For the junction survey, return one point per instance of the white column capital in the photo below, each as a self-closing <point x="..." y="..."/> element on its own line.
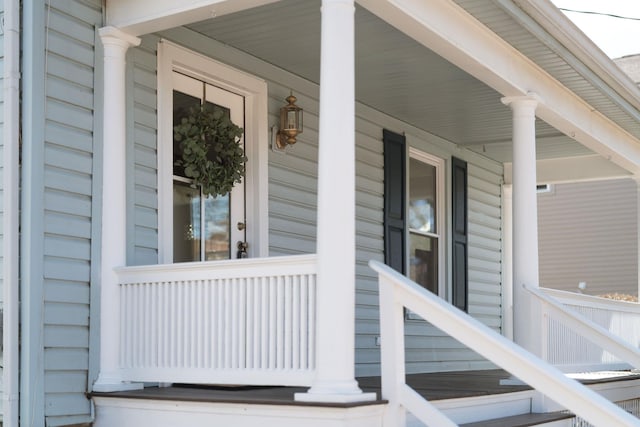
<point x="112" y="36"/>
<point x="338" y="3"/>
<point x="530" y="100"/>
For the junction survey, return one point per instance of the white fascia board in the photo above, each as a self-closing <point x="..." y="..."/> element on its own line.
<point x="568" y="35"/>
<point x="451" y="32"/>
<point x="148" y="16"/>
<point x="572" y="169"/>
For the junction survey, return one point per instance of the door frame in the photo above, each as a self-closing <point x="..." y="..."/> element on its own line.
<point x="172" y="57"/>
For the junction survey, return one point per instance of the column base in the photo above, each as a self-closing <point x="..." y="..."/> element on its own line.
<point x="347" y="392"/>
<point x="108" y="385"/>
<point x="512" y="381"/>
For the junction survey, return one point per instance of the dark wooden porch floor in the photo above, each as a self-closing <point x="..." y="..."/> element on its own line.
<point x="432" y="386"/>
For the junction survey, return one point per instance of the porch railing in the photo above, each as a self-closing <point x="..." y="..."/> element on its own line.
<point x="250" y="321"/>
<point x="594" y="334"/>
<point x="397" y="292"/>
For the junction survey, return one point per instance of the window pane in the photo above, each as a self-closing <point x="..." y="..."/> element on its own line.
<point x="217" y="228"/>
<point x="422" y="197"/>
<point x="182" y="104"/>
<point x="423" y="262"/>
<point x="186" y="222"/>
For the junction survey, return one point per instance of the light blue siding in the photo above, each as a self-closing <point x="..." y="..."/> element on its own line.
<point x="292" y="202"/>
<point x="143" y="213"/>
<point x="59" y="231"/>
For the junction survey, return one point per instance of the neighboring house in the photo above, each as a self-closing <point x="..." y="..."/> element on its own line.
<point x="630" y="64"/>
<point x="588" y="234"/>
<point x="423" y="124"/>
<point x="588" y="230"/>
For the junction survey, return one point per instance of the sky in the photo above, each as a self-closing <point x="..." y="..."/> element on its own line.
<point x="615" y="36"/>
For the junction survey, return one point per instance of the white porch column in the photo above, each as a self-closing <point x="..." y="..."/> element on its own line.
<point x="335" y="380"/>
<point x="115" y="44"/>
<point x="527" y="320"/>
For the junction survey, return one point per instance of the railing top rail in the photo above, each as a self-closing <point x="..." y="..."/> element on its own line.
<point x="498" y="349"/>
<point x="589" y="329"/>
<point x="593" y="301"/>
<point x="226" y="269"/>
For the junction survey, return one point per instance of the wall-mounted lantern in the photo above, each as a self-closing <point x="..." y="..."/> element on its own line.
<point x="290" y="123"/>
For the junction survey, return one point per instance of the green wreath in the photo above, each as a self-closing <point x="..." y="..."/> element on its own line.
<point x="211" y="155"/>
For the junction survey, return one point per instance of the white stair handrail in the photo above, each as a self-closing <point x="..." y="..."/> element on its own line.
<point x="396" y="291"/>
<point x="588" y="329"/>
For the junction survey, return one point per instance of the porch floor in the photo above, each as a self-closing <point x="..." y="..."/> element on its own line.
<point x="432" y="386"/>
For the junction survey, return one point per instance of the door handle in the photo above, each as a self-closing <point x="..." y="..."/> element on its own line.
<point x="242" y="249"/>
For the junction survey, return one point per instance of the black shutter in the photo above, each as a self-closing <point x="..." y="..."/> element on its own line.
<point x="459" y="221"/>
<point x="394" y="200"/>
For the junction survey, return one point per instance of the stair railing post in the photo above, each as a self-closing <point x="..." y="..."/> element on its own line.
<point x="391" y="353"/>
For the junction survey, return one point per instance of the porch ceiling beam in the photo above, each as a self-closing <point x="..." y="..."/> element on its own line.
<point x="148" y="16"/>
<point x="451" y="32"/>
<point x="573" y="169"/>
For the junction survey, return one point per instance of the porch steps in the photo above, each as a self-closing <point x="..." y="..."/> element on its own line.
<point x="275" y="406"/>
<point x="474" y="409"/>
<point x="548" y="419"/>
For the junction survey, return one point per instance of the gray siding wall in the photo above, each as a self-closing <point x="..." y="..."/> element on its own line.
<point x="485" y="243"/>
<point x="428" y="348"/>
<point x="588" y="233"/>
<point x="58" y="189"/>
<point x="292" y="202"/>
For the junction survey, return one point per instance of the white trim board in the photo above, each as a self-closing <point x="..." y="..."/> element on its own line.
<point x="148" y="16"/>
<point x="572" y="169"/>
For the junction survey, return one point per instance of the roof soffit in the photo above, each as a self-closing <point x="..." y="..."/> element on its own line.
<point x="542" y="33"/>
<point x="443" y="107"/>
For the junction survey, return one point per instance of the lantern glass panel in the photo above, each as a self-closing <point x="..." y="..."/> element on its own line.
<point x="292" y="119"/>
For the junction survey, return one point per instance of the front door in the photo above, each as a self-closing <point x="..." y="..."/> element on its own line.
<point x="205" y="228"/>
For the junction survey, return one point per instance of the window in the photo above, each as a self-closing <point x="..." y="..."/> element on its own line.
<point x="415" y="219"/>
<point x="544" y="188"/>
<point x="425" y="222"/>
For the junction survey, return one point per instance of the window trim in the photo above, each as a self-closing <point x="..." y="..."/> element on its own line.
<point x="441" y="212"/>
<point x="172" y="57"/>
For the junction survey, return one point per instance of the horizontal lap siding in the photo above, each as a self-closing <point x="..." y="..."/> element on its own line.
<point x="68" y="180"/>
<point x="485" y="245"/>
<point x="293" y="180"/>
<point x="293" y="201"/>
<point x="428" y="348"/>
<point x="369" y="241"/>
<point x="144" y="215"/>
<point x="588" y="233"/>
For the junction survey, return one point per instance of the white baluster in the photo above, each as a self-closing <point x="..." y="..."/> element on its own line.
<point x="304" y="322"/>
<point x="288" y="322"/>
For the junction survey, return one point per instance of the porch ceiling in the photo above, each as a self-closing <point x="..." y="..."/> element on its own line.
<point x="402" y="78"/>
